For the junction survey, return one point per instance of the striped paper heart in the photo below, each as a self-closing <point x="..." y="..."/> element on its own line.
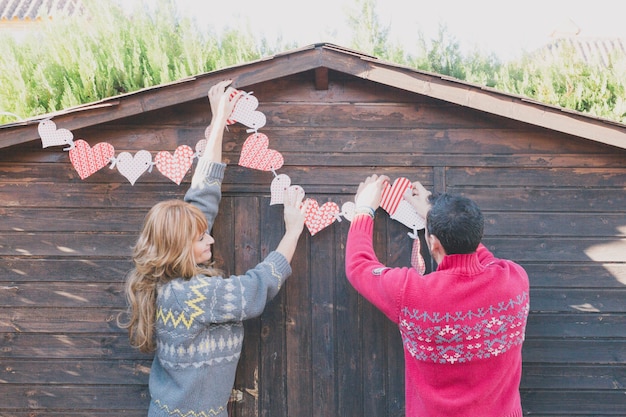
<point x="393" y="194"/>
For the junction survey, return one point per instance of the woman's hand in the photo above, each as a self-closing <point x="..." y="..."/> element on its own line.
<point x="222" y="105"/>
<point x="294" y="214"/>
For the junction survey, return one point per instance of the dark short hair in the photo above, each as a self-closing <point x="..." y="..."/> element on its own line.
<point x="456" y="221"/>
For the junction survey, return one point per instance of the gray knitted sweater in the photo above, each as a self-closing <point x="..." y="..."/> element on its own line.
<point x="199" y="322"/>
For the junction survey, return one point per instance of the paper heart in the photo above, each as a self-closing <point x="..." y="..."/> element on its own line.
<point x="280" y="184"/>
<point x="417" y="260"/>
<point x="317" y="218"/>
<point x="393" y="194"/>
<point x="256" y="155"/>
<point x="347" y="210"/>
<point x="87" y="160"/>
<point x="133" y="166"/>
<point x="51" y="136"/>
<point x="175" y="166"/>
<point x="406" y="214"/>
<point x="245" y="112"/>
<point x="200" y="147"/>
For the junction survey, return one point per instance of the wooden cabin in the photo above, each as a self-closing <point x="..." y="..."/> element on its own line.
<point x="551" y="183"/>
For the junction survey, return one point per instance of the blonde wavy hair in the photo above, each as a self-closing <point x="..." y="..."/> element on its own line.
<point x="163" y="252"/>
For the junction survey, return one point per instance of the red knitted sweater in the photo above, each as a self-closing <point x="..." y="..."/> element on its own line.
<point x="462" y="326"/>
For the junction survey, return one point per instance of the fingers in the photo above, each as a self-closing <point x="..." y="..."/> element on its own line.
<point x="218" y="89"/>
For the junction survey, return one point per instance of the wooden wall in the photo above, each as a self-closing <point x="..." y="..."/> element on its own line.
<point x="553" y="203"/>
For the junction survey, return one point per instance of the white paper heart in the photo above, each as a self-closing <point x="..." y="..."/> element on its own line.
<point x="279" y="185"/>
<point x="347" y="210"/>
<point x="132" y="167"/>
<point x="245" y="112"/>
<point x="406" y="214"/>
<point x="51" y="136"/>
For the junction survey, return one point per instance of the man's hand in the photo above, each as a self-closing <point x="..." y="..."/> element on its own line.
<point x="370" y="192"/>
<point x="418" y="198"/>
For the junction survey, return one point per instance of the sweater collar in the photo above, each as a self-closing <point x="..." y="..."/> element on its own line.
<point x="466" y="264"/>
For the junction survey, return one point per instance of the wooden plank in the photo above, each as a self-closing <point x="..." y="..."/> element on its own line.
<point x="68" y="346"/>
<point x="576" y="274"/>
<point x="348" y="324"/>
<point x="541" y="200"/>
<point x="579" y="177"/>
<point x="575" y="351"/>
<point x="578" y="300"/>
<point x="572" y="377"/>
<point x="248" y="255"/>
<point x="72" y="413"/>
<point x="69" y="295"/>
<point x="30" y="219"/>
<point x="298" y="334"/>
<point x="53" y="319"/>
<point x="75" y="397"/>
<point x="566" y="325"/>
<point x="322" y="320"/>
<point x="31" y="371"/>
<point x="273" y="367"/>
<point x="68" y="245"/>
<point x="84" y="270"/>
<point x="539" y="249"/>
<point x="608" y="225"/>
<point x="573" y="402"/>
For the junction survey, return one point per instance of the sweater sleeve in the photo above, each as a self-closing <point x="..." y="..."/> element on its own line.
<point x="206" y="189"/>
<point x="380" y="285"/>
<point x="207" y="300"/>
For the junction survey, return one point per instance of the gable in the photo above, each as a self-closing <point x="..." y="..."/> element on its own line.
<point x="320" y="59"/>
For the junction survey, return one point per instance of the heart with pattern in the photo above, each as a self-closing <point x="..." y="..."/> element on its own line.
<point x="393" y="194"/>
<point x="87" y="160"/>
<point x="132" y="167"/>
<point x="280" y="184"/>
<point x="51" y="136"/>
<point x="246" y="113"/>
<point x="317" y="218"/>
<point x="175" y="166"/>
<point x="256" y="155"/>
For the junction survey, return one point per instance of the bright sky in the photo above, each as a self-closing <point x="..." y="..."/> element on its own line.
<point x="501" y="26"/>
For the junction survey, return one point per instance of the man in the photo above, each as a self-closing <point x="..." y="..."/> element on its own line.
<point x="463" y="325"/>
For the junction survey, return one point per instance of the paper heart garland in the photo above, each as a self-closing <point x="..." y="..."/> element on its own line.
<point x="317" y="218"/>
<point x="245" y="112"/>
<point x="393" y="194"/>
<point x="347" y="210"/>
<point x="280" y="184"/>
<point x="87" y="160"/>
<point x="256" y="155"/>
<point x="405" y="213"/>
<point x="51" y="136"/>
<point x="175" y="166"/>
<point x="132" y="167"/>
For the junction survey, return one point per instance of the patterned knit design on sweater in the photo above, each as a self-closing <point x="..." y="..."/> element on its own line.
<point x="464" y="336"/>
